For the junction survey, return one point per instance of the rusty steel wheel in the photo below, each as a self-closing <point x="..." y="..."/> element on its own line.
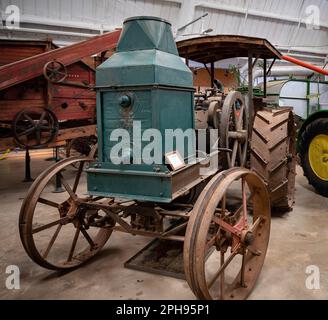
<point x="273" y="155"/>
<point x="55" y="71"/>
<point x="227" y="236"/>
<point x="35" y="127"/>
<point x="234" y="130"/>
<point x="61" y="232"/>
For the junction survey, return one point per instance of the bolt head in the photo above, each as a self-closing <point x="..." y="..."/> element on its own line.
<point x="249" y="238"/>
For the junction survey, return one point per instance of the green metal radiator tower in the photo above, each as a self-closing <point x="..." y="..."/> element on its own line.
<point x="144" y="85"/>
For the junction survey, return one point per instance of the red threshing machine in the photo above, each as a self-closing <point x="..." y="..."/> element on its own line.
<point x="46" y="93"/>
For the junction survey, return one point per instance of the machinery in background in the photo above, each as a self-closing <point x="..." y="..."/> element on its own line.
<point x="221" y="213"/>
<point x="270" y="147"/>
<point x="310" y="105"/>
<point x="46" y="92"/>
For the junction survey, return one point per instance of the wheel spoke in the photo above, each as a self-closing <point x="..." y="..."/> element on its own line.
<point x="234" y="114"/>
<point x="240" y="154"/>
<point x="224" y="203"/>
<point x="88" y="238"/>
<point x="29" y="119"/>
<point x="223" y="267"/>
<point x="67" y="187"/>
<point x="244" y="198"/>
<point x="49" y="225"/>
<point x="234" y="153"/>
<point x="242" y="271"/>
<point x="26" y="132"/>
<point x="211" y="242"/>
<point x="78" y="176"/>
<point x="48" y="202"/>
<point x="239" y="210"/>
<point x="223" y="224"/>
<point x="42" y="116"/>
<point x="222" y="276"/>
<point x="256" y="224"/>
<point x="57" y="68"/>
<point x="46" y="128"/>
<point x="76" y="236"/>
<point x="241" y="117"/>
<point x="52" y="241"/>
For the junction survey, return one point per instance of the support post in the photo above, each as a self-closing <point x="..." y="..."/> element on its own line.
<point x="250" y="90"/>
<point x="187" y="62"/>
<point x="212" y="74"/>
<point x="265" y="77"/>
<point x="58" y="184"/>
<point x="28" y="177"/>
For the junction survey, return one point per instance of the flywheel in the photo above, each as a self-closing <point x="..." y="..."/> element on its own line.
<point x="234" y="125"/>
<point x="273" y="154"/>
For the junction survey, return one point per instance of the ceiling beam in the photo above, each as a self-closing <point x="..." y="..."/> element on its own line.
<point x="255" y="13"/>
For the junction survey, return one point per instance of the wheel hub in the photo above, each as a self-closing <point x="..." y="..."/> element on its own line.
<point x="247" y="238"/>
<point x="318" y="156"/>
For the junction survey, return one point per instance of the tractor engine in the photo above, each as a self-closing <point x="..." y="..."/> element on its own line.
<point x="144" y="85"/>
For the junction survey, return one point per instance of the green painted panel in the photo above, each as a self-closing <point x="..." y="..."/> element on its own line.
<point x="142" y="33"/>
<point x="143" y="68"/>
<point x="144" y="187"/>
<point x="116" y="117"/>
<point x="157" y="108"/>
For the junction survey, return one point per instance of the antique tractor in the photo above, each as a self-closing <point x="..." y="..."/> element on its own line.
<point x="220" y="212"/>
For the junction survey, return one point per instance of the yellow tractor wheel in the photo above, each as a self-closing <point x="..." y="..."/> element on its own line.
<point x="314" y="154"/>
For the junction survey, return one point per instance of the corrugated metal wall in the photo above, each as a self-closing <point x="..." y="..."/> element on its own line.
<point x="280" y="21"/>
<point x="276" y="20"/>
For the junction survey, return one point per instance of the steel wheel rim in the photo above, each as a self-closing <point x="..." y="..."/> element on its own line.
<point x="55" y="71"/>
<point x="26" y="224"/>
<point x="194" y="253"/>
<point x="35" y="127"/>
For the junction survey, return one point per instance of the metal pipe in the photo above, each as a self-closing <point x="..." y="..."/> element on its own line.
<point x="54" y="32"/>
<point x="95" y="25"/>
<point x="283" y="71"/>
<point x="305" y="65"/>
<point x="193" y="21"/>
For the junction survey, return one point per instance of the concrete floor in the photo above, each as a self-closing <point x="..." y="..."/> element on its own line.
<point x="298" y="239"/>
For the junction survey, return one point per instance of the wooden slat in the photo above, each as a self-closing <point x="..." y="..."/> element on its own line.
<point x="63" y="135"/>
